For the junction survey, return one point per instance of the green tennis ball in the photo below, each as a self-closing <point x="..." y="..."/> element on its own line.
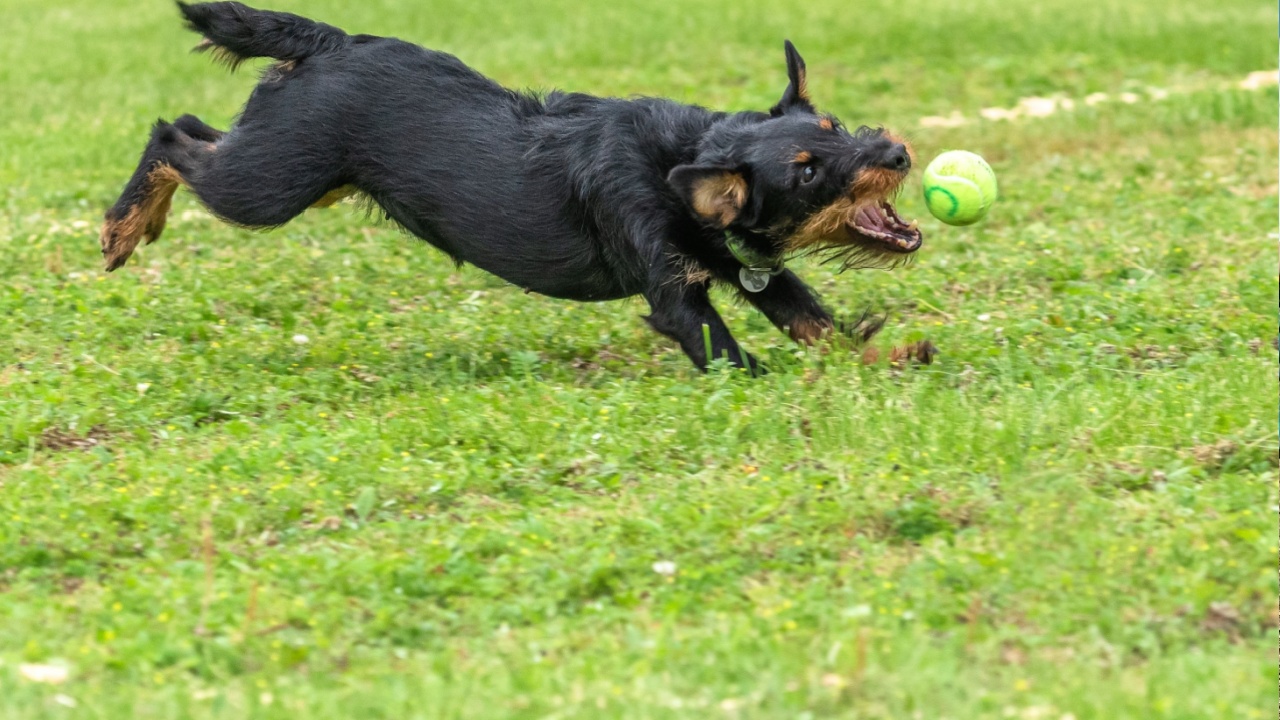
<point x="959" y="187"/>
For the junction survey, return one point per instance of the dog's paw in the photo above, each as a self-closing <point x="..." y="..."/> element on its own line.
<point x="922" y="353"/>
<point x="117" y="239"/>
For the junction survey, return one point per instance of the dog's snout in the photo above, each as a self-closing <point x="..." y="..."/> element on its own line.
<point x="897" y="158"/>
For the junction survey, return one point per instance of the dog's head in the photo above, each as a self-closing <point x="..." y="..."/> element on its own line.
<point x="801" y="180"/>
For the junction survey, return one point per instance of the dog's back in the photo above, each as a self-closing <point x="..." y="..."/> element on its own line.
<point x="497" y="178"/>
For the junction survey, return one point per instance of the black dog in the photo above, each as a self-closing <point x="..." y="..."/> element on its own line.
<point x="565" y="194"/>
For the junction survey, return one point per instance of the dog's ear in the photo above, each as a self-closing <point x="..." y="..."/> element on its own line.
<point x="715" y="194"/>
<point x="796" y="96"/>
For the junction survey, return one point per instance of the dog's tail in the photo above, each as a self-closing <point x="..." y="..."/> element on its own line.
<point x="236" y="32"/>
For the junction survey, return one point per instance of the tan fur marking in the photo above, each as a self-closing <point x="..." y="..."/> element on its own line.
<point x="809" y="330"/>
<point x="802" y="157"/>
<point x="165" y="180"/>
<point x="922" y="352"/>
<point x="335" y="195"/>
<point x="826" y="124"/>
<point x="803" y="90"/>
<point x="166" y="175"/>
<point x="120" y="237"/>
<point x="876" y="183"/>
<point x="689" y="272"/>
<point x="695" y="275"/>
<point x="825" y="227"/>
<point x="145" y="220"/>
<point x="720" y="197"/>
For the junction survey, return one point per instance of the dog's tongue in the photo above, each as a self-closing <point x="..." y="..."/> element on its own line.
<point x="871" y="218"/>
<point x="882" y="223"/>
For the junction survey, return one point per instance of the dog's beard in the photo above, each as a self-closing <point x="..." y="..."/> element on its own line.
<point x="861" y="255"/>
<point x="857" y="234"/>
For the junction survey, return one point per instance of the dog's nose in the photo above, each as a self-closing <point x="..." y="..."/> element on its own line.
<point x="898" y="158"/>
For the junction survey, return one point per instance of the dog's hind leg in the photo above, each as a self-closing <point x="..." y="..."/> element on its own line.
<point x="169" y="158"/>
<point x="264" y="174"/>
<point x="259" y="175"/>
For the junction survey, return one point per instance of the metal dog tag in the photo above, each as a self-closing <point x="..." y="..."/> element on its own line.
<point x="753" y="280"/>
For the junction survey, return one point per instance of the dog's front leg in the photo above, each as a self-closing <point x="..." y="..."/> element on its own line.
<point x="683" y="312"/>
<point x="793" y="307"/>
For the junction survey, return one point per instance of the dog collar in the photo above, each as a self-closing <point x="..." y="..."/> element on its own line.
<point x="756" y="268"/>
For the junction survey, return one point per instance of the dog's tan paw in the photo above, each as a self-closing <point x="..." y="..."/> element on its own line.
<point x="922" y="353"/>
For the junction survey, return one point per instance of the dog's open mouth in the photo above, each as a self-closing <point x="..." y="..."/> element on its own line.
<point x="881" y="224"/>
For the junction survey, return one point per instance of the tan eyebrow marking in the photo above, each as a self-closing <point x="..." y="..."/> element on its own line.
<point x="802" y="157"/>
<point x="826" y="124"/>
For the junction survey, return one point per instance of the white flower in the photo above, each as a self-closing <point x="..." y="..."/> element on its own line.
<point x="142" y="388"/>
<point x="301" y="339"/>
<point x="664" y="567"/>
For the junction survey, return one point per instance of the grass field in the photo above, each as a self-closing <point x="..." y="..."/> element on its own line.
<point x="457" y="500"/>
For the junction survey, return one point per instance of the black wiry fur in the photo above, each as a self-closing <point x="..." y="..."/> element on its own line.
<point x="567" y="195"/>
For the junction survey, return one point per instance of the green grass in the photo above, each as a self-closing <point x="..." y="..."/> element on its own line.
<point x="449" y="502"/>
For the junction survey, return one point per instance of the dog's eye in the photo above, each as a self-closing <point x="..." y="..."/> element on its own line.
<point x="808" y="173"/>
